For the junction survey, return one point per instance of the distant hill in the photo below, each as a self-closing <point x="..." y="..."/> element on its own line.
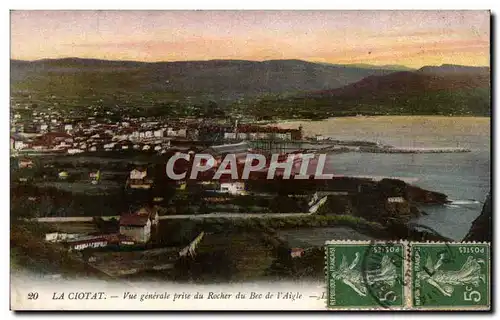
<point x="395" y="67"/>
<point x="273" y="88"/>
<point x="214" y="79"/>
<point x="447" y="69"/>
<point x="408" y="83"/>
<point x="445" y="90"/>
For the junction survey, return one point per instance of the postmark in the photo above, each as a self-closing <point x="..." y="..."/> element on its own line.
<point x="365" y="275"/>
<point x="450" y="276"/>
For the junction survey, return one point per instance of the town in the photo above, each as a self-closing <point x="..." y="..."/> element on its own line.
<point x="124" y="195"/>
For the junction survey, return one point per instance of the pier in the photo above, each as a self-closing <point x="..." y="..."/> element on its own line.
<point x="389" y="149"/>
<point x="281" y="146"/>
<point x="336" y="146"/>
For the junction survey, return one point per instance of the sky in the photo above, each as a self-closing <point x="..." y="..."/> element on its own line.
<point x="409" y="38"/>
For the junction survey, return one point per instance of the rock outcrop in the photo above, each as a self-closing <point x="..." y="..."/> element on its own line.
<point x="481" y="229"/>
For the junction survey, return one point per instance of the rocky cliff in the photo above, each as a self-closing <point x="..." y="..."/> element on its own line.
<point x="481" y="229"/>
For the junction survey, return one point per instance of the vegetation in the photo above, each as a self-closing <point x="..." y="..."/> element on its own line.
<point x="472" y="102"/>
<point x="28" y="250"/>
<point x="216" y="89"/>
<point x="180" y="231"/>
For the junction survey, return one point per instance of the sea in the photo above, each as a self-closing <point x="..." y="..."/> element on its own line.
<point x="464" y="177"/>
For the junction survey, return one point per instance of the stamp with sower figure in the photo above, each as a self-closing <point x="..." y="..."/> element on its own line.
<point x="450" y="276"/>
<point x="366" y="275"/>
<point x="408" y="276"/>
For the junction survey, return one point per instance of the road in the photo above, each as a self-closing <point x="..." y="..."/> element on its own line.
<point x="227" y="215"/>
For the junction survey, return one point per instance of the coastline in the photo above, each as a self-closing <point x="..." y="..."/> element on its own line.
<point x="402" y="131"/>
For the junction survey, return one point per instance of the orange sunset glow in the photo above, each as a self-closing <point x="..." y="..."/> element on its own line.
<point x="410" y="38"/>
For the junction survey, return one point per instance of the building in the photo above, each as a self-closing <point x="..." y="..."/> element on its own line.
<point x="138" y="179"/>
<point x="17" y="142"/>
<point x="233" y="187"/>
<point x="176" y="132"/>
<point x="319" y="137"/>
<point x="230" y="135"/>
<point x="25" y="163"/>
<point x="86" y="243"/>
<point x="137" y="226"/>
<point x="68" y="128"/>
<point x="238" y="149"/>
<point x="396" y="200"/>
<point x="253" y="132"/>
<point x="74" y="151"/>
<point x="43" y="128"/>
<point x="296" y="252"/>
<point x="159" y="133"/>
<point x="62" y="237"/>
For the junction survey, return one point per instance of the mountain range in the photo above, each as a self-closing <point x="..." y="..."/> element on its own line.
<point x="436" y="90"/>
<point x="277" y="85"/>
<point x="228" y="78"/>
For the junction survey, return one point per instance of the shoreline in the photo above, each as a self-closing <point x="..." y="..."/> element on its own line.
<point x="364" y="117"/>
<point x="401" y="131"/>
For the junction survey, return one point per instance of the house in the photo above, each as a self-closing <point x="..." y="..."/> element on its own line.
<point x="253" y="132"/>
<point x="234" y="188"/>
<point x="182" y="133"/>
<point x="243" y="135"/>
<point x="296" y="252"/>
<point x="74" y="151"/>
<point x="25" y="163"/>
<point x="171" y="132"/>
<point x="109" y="146"/>
<point x="158" y="133"/>
<point x="68" y="128"/>
<point x="138" y="179"/>
<point x="137" y="226"/>
<point x="53" y="139"/>
<point x="396" y="200"/>
<point x="62" y="145"/>
<point x="43" y="128"/>
<point x="62" y="237"/>
<point x="230" y="135"/>
<point x="138" y="174"/>
<point x="17" y="142"/>
<point x="320" y="137"/>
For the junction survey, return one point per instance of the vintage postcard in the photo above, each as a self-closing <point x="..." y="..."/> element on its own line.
<point x="250" y="160"/>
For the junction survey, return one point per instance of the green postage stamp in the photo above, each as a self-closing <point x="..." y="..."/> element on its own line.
<point x="407" y="276"/>
<point x="365" y="275"/>
<point x="450" y="276"/>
